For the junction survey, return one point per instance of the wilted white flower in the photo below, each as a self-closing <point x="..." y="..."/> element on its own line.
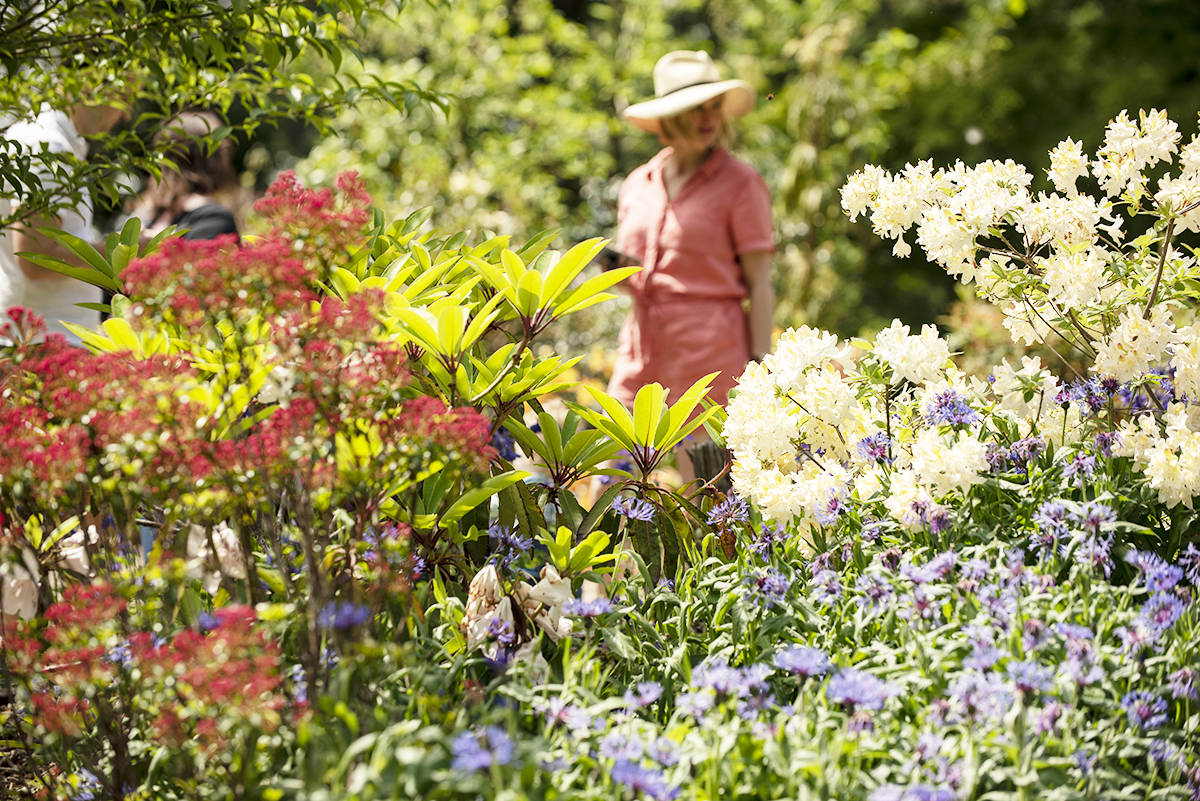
<point x="19" y="583"/>
<point x="229" y="556"/>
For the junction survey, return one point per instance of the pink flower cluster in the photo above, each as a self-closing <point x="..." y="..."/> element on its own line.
<point x="79" y="663"/>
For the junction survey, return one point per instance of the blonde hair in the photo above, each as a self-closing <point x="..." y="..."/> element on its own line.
<point x="679" y="126"/>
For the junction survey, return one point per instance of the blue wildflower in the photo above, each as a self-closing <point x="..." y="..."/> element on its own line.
<point x="645" y="694"/>
<point x="1157" y="573"/>
<point x="826" y="587"/>
<point x="507" y="545"/>
<point x="1024" y="451"/>
<point x="695" y="704"/>
<point x="505" y="445"/>
<point x="857" y="689"/>
<point x="1163" y="751"/>
<point x="733" y="509"/>
<point x="1085" y="761"/>
<point x="875" y="448"/>
<point x="343" y="615"/>
<point x="501" y="631"/>
<point x="634" y="509"/>
<point x="1189" y="560"/>
<point x="474" y="750"/>
<point x="1105" y="441"/>
<point x="664" y="752"/>
<point x="950" y="408"/>
<point x="1183" y="684"/>
<point x="577" y="607"/>
<point x="1161" y="611"/>
<point x="1093" y="516"/>
<point x="875" y="592"/>
<point x="801" y="660"/>
<point x="767" y="588"/>
<point x="615" y="745"/>
<point x="1030" y="678"/>
<point x="1083" y="466"/>
<point x="643" y="780"/>
<point x="558" y="710"/>
<point x="767" y="539"/>
<point x="1144" y="710"/>
<point x="981" y="696"/>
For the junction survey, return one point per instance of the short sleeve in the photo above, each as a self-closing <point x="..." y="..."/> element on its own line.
<point x="631" y="235"/>
<point x="750" y="218"/>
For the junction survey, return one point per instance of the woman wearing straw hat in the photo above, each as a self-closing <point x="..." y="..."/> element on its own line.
<point x="698" y="220"/>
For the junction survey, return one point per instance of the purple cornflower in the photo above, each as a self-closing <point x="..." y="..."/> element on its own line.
<point x="645" y="694"/>
<point x="643" y="780"/>
<point x="984" y="655"/>
<point x="1105" y="441"/>
<point x="1081" y="670"/>
<point x="1052" y="525"/>
<point x="634" y="509"/>
<point x="857" y="689"/>
<point x="1078" y="639"/>
<point x="1047" y="718"/>
<point x="1083" y="466"/>
<point x="875" y="448"/>
<point x="474" y="750"/>
<point x="1092" y="516"/>
<point x="1024" y="451"/>
<point x="833" y="508"/>
<point x="1089" y="393"/>
<point x="1161" y="611"/>
<point x="507" y="545"/>
<point x="766" y="539"/>
<point x="615" y="745"/>
<point x="1163" y="751"/>
<point x="976" y="569"/>
<point x="1034" y="636"/>
<point x="913" y="792"/>
<point x="981" y="696"/>
<point x="1030" y="678"/>
<point x="803" y="660"/>
<point x="664" y="752"/>
<point x="733" y="509"/>
<point x="1136" y="637"/>
<point x="871" y="532"/>
<point x="920" y="604"/>
<point x="875" y="592"/>
<point x="1183" y="684"/>
<point x="504" y="444"/>
<point x="1189" y="560"/>
<point x="998" y="458"/>
<point x="1096" y="552"/>
<point x="557" y="710"/>
<point x="1144" y="710"/>
<point x="1158" y="574"/>
<point x="767" y="588"/>
<point x="577" y="607"/>
<point x="950" y="408"/>
<point x="695" y="704"/>
<point x="343" y="615"/>
<point x="826" y="587"/>
<point x="1085" y="761"/>
<point x="501" y="631"/>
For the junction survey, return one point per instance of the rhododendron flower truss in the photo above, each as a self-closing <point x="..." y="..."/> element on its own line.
<point x="1063" y="271"/>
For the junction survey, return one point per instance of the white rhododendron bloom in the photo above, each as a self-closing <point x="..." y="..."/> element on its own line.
<point x="1136" y="345"/>
<point x="946" y="239"/>
<point x="1067" y="165"/>
<point x="948" y="467"/>
<point x="1066" y="222"/>
<point x="799" y="349"/>
<point x="1022" y="393"/>
<point x="906" y="498"/>
<point x="1073" y="280"/>
<point x="761" y="421"/>
<point x="1185" y="358"/>
<point x="918" y="358"/>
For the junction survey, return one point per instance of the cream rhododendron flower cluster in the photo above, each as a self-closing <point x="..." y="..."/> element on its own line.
<point x="1057" y="262"/>
<point x="813" y="430"/>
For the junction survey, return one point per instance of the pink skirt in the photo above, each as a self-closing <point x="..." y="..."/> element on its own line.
<point x="675" y="341"/>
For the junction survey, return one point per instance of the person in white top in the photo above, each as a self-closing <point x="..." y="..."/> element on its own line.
<point x="51" y="295"/>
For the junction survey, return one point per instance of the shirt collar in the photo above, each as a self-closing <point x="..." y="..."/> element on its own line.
<point x="715" y="161"/>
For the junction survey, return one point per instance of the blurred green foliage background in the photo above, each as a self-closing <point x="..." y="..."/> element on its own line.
<point x="530" y="139"/>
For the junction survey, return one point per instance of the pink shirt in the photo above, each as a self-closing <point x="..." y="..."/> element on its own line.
<point x="687" y="245"/>
<point x="687" y="318"/>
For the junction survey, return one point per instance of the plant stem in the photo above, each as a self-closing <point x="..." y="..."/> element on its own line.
<point x="1162" y="262"/>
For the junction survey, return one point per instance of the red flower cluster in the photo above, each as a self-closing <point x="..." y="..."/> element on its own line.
<point x="192" y="686"/>
<point x="322" y="223"/>
<point x="70" y="418"/>
<point x="462" y="430"/>
<point x="193" y="281"/>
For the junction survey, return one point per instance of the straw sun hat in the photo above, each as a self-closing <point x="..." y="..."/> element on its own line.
<point x="683" y="80"/>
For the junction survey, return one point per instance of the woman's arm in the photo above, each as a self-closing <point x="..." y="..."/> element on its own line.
<point x="756" y="271"/>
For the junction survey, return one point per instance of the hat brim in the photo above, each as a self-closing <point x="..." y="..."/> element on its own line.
<point x="647" y="115"/>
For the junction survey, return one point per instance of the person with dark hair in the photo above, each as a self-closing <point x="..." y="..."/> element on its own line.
<point x="698" y="221"/>
<point x="186" y="196"/>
